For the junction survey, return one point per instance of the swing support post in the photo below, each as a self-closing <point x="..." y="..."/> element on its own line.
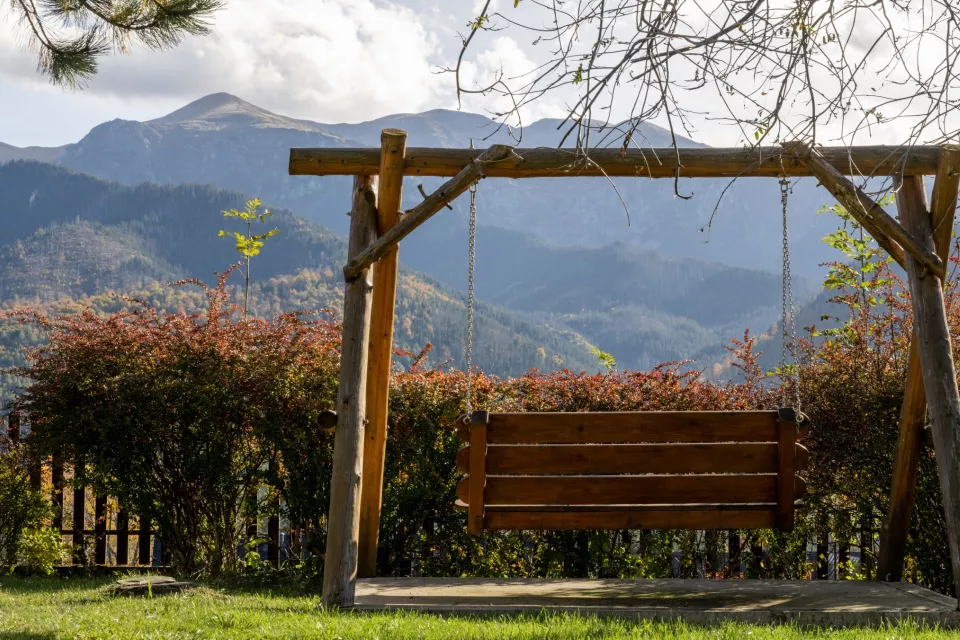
<point x="343" y="522"/>
<point x="393" y="144"/>
<point x="936" y="360"/>
<point x="913" y="415"/>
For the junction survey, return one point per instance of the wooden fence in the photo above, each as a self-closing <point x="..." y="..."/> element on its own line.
<point x="112" y="531"/>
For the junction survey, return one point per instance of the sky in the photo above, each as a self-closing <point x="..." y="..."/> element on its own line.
<point x="323" y="60"/>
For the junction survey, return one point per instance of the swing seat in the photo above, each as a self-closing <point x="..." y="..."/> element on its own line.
<point x="631" y="470"/>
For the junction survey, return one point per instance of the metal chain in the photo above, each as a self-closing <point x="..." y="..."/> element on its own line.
<point x="472" y="253"/>
<point x="789" y="323"/>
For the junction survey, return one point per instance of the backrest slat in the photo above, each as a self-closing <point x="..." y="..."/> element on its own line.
<point x="634" y="490"/>
<point x="608" y="459"/>
<point x="635" y="427"/>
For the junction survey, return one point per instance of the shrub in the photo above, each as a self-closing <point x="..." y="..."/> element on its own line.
<point x="176" y="415"/>
<point x="41" y="550"/>
<point x="21" y="508"/>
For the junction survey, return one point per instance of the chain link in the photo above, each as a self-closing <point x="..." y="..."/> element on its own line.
<point x="788" y="329"/>
<point x="472" y="253"/>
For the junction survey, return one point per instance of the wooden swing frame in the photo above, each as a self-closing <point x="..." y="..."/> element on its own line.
<point x="919" y="242"/>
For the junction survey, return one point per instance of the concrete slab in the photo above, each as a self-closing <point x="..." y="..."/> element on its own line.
<point x="824" y="603"/>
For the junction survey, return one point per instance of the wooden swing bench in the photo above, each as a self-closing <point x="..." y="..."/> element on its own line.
<point x="631" y="470"/>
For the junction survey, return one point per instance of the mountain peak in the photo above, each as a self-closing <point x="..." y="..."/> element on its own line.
<point x="225" y="110"/>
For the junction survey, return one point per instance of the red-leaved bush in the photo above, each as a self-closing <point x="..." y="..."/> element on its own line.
<point x="182" y="417"/>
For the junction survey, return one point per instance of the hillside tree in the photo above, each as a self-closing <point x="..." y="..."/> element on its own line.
<point x="70" y="36"/>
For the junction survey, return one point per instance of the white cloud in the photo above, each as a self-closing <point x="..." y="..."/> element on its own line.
<point x="323" y="59"/>
<point x="502" y="58"/>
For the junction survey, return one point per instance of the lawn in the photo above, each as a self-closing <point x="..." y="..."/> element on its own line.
<point x="78" y="608"/>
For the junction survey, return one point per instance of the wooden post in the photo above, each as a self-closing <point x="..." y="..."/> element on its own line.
<point x="343" y="523"/>
<point x="896" y="526"/>
<point x="100" y="530"/>
<point x="79" y="522"/>
<point x="57" y="482"/>
<point x="144" y="548"/>
<point x="393" y="145"/>
<point x="273" y="539"/>
<point x="123" y="537"/>
<point x="786" y="464"/>
<point x="478" y="471"/>
<point x="936" y="360"/>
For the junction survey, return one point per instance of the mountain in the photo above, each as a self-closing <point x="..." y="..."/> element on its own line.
<point x="72" y="239"/>
<point x="226" y="142"/>
<point x="43" y="154"/>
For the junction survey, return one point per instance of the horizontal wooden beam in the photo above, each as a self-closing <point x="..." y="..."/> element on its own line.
<point x="612" y="162"/>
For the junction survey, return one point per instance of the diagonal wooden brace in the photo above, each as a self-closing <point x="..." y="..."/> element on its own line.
<point x="415" y="217"/>
<point x="888" y="233"/>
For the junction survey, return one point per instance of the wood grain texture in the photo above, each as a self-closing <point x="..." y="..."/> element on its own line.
<point x="913" y="414"/>
<point x="631" y="520"/>
<point x="611" y="162"/>
<point x="340" y="563"/>
<point x="433" y="203"/>
<point x="392" y="148"/>
<point x="477" y="481"/>
<point x="622" y="490"/>
<point x="632" y="427"/>
<point x="787" y="454"/>
<point x="607" y="459"/>
<point x="936" y="362"/>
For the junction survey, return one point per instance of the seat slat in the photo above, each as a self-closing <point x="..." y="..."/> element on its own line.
<point x="566" y="459"/>
<point x="623" y="519"/>
<point x="631" y="427"/>
<point x="653" y="489"/>
<point x="590" y="508"/>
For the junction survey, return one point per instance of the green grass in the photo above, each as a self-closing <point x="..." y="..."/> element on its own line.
<point x="78" y="608"/>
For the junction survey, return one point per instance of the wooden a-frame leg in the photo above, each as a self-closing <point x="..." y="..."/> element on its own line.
<point x="393" y="144"/>
<point x="343" y="523"/>
<point x="936" y="361"/>
<point x="896" y="527"/>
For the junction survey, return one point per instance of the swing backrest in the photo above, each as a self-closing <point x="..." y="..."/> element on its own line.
<point x="631" y="470"/>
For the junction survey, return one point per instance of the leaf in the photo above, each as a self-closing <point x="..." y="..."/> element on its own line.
<point x="578" y="75"/>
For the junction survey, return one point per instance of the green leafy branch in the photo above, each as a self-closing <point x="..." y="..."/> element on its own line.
<point x="249" y="244"/>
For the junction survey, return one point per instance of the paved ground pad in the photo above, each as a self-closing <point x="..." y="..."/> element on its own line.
<point x="827" y="603"/>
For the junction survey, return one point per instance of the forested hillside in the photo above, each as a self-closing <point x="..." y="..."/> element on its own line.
<point x="71" y="239"/>
<point x="546" y="306"/>
<point x="224" y="141"/>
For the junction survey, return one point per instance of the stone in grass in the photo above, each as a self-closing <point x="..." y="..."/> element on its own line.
<point x="149" y="585"/>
